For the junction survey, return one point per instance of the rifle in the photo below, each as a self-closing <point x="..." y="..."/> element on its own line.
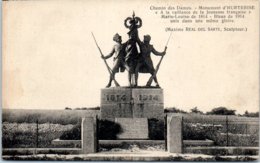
<point x="108" y="68"/>
<point x="149" y="82"/>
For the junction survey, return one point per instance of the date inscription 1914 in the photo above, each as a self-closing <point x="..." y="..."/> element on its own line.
<point x="123" y="97"/>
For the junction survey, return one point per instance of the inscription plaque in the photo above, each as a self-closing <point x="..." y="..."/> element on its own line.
<point x="131" y="103"/>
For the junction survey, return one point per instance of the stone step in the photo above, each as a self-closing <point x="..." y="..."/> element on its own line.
<point x="216" y="150"/>
<point x="117" y="143"/>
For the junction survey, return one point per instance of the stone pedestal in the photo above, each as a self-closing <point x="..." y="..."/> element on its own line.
<point x="122" y="102"/>
<point x="174" y="134"/>
<point x="131" y="108"/>
<point x="133" y="128"/>
<point x="88" y="135"/>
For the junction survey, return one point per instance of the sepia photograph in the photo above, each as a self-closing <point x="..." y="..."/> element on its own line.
<point x="130" y="80"/>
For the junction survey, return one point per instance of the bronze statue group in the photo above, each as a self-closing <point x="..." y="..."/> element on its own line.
<point x="127" y="57"/>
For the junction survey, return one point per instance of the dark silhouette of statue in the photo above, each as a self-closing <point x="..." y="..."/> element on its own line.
<point x="131" y="56"/>
<point x="145" y="63"/>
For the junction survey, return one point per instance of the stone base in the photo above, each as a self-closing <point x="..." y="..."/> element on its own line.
<point x="122" y="102"/>
<point x="133" y="128"/>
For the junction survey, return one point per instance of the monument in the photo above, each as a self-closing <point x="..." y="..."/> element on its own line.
<point x="131" y="106"/>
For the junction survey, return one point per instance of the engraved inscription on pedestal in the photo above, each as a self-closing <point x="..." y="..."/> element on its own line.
<point x="131" y="103"/>
<point x="148" y="102"/>
<point x="116" y="102"/>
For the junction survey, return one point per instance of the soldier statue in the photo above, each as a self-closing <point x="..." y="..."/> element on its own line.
<point x="145" y="64"/>
<point x="126" y="55"/>
<point x="118" y="52"/>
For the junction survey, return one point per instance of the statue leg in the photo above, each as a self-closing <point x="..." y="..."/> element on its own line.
<point x="133" y="74"/>
<point x="155" y="80"/>
<point x="155" y="77"/>
<point x="127" y="67"/>
<point x="136" y="73"/>
<point x="136" y="79"/>
<point x="112" y="76"/>
<point x="129" y="79"/>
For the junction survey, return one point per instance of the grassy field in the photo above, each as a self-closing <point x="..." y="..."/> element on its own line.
<point x="223" y="130"/>
<point x="19" y="126"/>
<point x="63" y="117"/>
<point x="25" y="135"/>
<point x="198" y="118"/>
<point x="73" y="116"/>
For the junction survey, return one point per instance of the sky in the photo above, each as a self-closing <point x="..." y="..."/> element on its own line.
<point x="50" y="60"/>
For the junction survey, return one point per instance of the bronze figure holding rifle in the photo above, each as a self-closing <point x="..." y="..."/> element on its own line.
<point x="118" y="52"/>
<point x="112" y="76"/>
<point x="145" y="63"/>
<point x="149" y="82"/>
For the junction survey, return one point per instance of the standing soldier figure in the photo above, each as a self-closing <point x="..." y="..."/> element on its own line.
<point x="145" y="64"/>
<point x="118" y="50"/>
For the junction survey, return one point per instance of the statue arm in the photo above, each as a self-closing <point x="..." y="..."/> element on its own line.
<point x="110" y="54"/>
<point x="124" y="44"/>
<point x="156" y="52"/>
